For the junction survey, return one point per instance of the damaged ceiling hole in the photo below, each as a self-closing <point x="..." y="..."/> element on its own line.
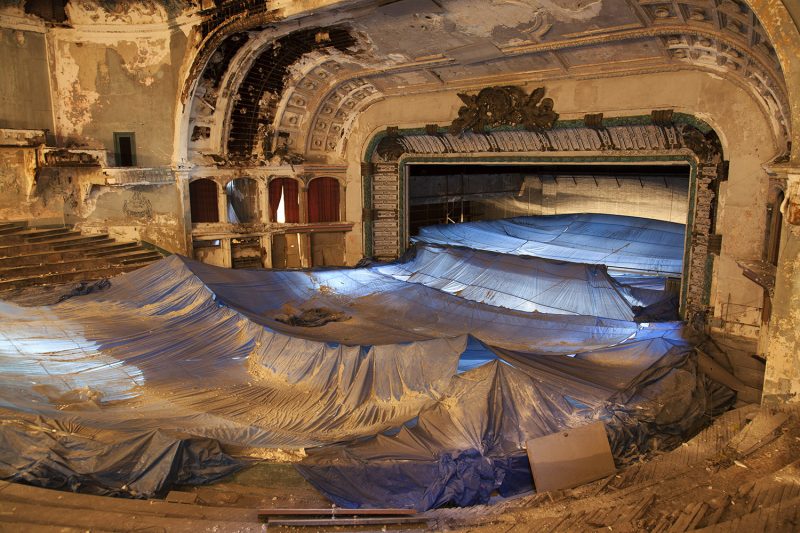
<point x="49" y="10"/>
<point x="258" y="95"/>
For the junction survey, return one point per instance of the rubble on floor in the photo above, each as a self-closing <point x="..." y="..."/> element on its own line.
<point x="703" y="485"/>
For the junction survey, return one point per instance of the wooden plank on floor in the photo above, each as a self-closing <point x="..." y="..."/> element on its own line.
<point x="352" y="521"/>
<point x="784" y="516"/>
<point x="16" y="492"/>
<point x="708" y="442"/>
<point x="758" y="432"/>
<point x="27" y="527"/>
<point x="335" y="511"/>
<point x="773" y="488"/>
<point x="96" y="518"/>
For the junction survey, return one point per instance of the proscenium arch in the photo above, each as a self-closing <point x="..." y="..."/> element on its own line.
<point x="775" y="19"/>
<point x="686" y="140"/>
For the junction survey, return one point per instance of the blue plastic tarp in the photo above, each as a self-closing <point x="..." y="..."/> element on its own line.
<point x="191" y="348"/>
<point x="620" y="242"/>
<point x="528" y="284"/>
<point x="194" y="352"/>
<point x="471" y="442"/>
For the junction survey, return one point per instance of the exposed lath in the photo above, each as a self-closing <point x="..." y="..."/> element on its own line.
<point x="314" y="110"/>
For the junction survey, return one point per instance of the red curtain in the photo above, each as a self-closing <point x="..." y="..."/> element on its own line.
<point x="203" y="201"/>
<point x="291" y="202"/>
<point x="323" y="200"/>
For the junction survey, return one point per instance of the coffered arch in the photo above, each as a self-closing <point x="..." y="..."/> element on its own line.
<point x="330" y="84"/>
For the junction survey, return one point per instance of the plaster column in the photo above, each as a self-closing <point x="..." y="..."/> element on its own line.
<point x="182" y="184"/>
<point x="782" y="376"/>
<point x="222" y="201"/>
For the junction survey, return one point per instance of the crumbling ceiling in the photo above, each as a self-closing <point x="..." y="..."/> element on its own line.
<point x="416" y="46"/>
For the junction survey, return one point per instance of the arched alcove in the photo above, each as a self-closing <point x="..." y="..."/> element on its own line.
<point x="242" y="195"/>
<point x="324" y="199"/>
<point x="203" y="200"/>
<point x="284" y="200"/>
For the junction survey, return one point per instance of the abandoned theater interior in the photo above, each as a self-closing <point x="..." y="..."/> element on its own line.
<point x="408" y="265"/>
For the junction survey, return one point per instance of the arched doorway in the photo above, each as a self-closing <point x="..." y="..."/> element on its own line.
<point x="323" y="200"/>
<point x="242" y="195"/>
<point x="203" y="201"/>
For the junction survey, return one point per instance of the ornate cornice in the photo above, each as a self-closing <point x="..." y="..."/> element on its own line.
<point x="707" y="36"/>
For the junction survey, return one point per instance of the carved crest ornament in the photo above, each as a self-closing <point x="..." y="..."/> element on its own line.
<point x="504" y="106"/>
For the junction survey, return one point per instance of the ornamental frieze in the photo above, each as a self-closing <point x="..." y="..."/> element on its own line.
<point x="504" y="106"/>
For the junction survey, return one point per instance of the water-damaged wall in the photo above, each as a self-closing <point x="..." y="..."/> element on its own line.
<point x="24" y="84"/>
<point x="106" y="82"/>
<point x="748" y="144"/>
<point x="111" y="67"/>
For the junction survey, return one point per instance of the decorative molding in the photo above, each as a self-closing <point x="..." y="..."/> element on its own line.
<point x="499" y="106"/>
<point x="620" y="138"/>
<point x="717" y="36"/>
<point x="335" y="112"/>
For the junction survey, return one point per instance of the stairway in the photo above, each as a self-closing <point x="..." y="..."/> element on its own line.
<point x="40" y="256"/>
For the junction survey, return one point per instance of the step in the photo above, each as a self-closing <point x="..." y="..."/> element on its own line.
<point x="64" y="277"/>
<point x="111" y="249"/>
<point x="52" y="236"/>
<point x="12" y="227"/>
<point x="35" y="235"/>
<point x="60" y="244"/>
<point x="98" y="518"/>
<point x="53" y="256"/>
<point x="84" y="263"/>
<point x="15" y="492"/>
<point x="146" y="255"/>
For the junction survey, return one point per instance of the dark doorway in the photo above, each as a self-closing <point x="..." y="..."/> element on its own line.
<point x="125" y="149"/>
<point x="453" y="193"/>
<point x="203" y="201"/>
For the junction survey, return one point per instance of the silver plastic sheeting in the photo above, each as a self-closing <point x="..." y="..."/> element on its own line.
<point x="183" y="363"/>
<point x="526" y="284"/>
<point x="619" y="242"/>
<point x="186" y="347"/>
<point x="647" y="391"/>
<point x="381" y="310"/>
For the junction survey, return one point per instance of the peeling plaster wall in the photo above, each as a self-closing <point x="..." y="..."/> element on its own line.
<point x="17" y="195"/>
<point x="111" y="82"/>
<point x="744" y="130"/>
<point x="24" y="83"/>
<point x="782" y="376"/>
<point x="151" y="213"/>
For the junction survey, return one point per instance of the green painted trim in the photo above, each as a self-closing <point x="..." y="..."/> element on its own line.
<point x="677" y="118"/>
<point x="638" y="120"/>
<point x="677" y="158"/>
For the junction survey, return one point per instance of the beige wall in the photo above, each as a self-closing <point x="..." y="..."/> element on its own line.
<point x="24" y="83"/>
<point x="744" y="130"/>
<point x="106" y="82"/>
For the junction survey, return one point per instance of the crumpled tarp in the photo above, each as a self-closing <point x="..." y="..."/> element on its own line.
<point x="385" y="311"/>
<point x="190" y="349"/>
<point x="528" y="284"/>
<point x="194" y="351"/>
<point x="110" y="463"/>
<point x="617" y="241"/>
<point x="471" y="442"/>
